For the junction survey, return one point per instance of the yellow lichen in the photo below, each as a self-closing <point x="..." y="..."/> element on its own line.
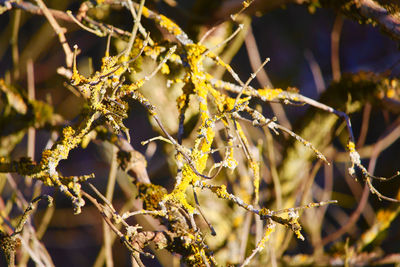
<point x="165" y="69"/>
<point x="255" y="167"/>
<point x="270" y="94"/>
<point x="169" y="25"/>
<point x="270" y="229"/>
<point x="221" y="192"/>
<point x="351" y="146"/>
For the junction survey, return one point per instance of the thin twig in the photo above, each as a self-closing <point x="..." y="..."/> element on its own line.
<point x="135" y="26"/>
<point x="262" y="76"/>
<point x="224" y="41"/>
<point x="59" y="31"/>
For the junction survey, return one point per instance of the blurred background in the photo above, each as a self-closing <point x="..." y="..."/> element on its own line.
<point x="298" y="41"/>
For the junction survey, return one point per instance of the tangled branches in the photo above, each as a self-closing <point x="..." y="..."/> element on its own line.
<point x="222" y="107"/>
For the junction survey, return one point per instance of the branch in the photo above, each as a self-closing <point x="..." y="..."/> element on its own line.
<point x="31" y="8"/>
<point x="388" y="22"/>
